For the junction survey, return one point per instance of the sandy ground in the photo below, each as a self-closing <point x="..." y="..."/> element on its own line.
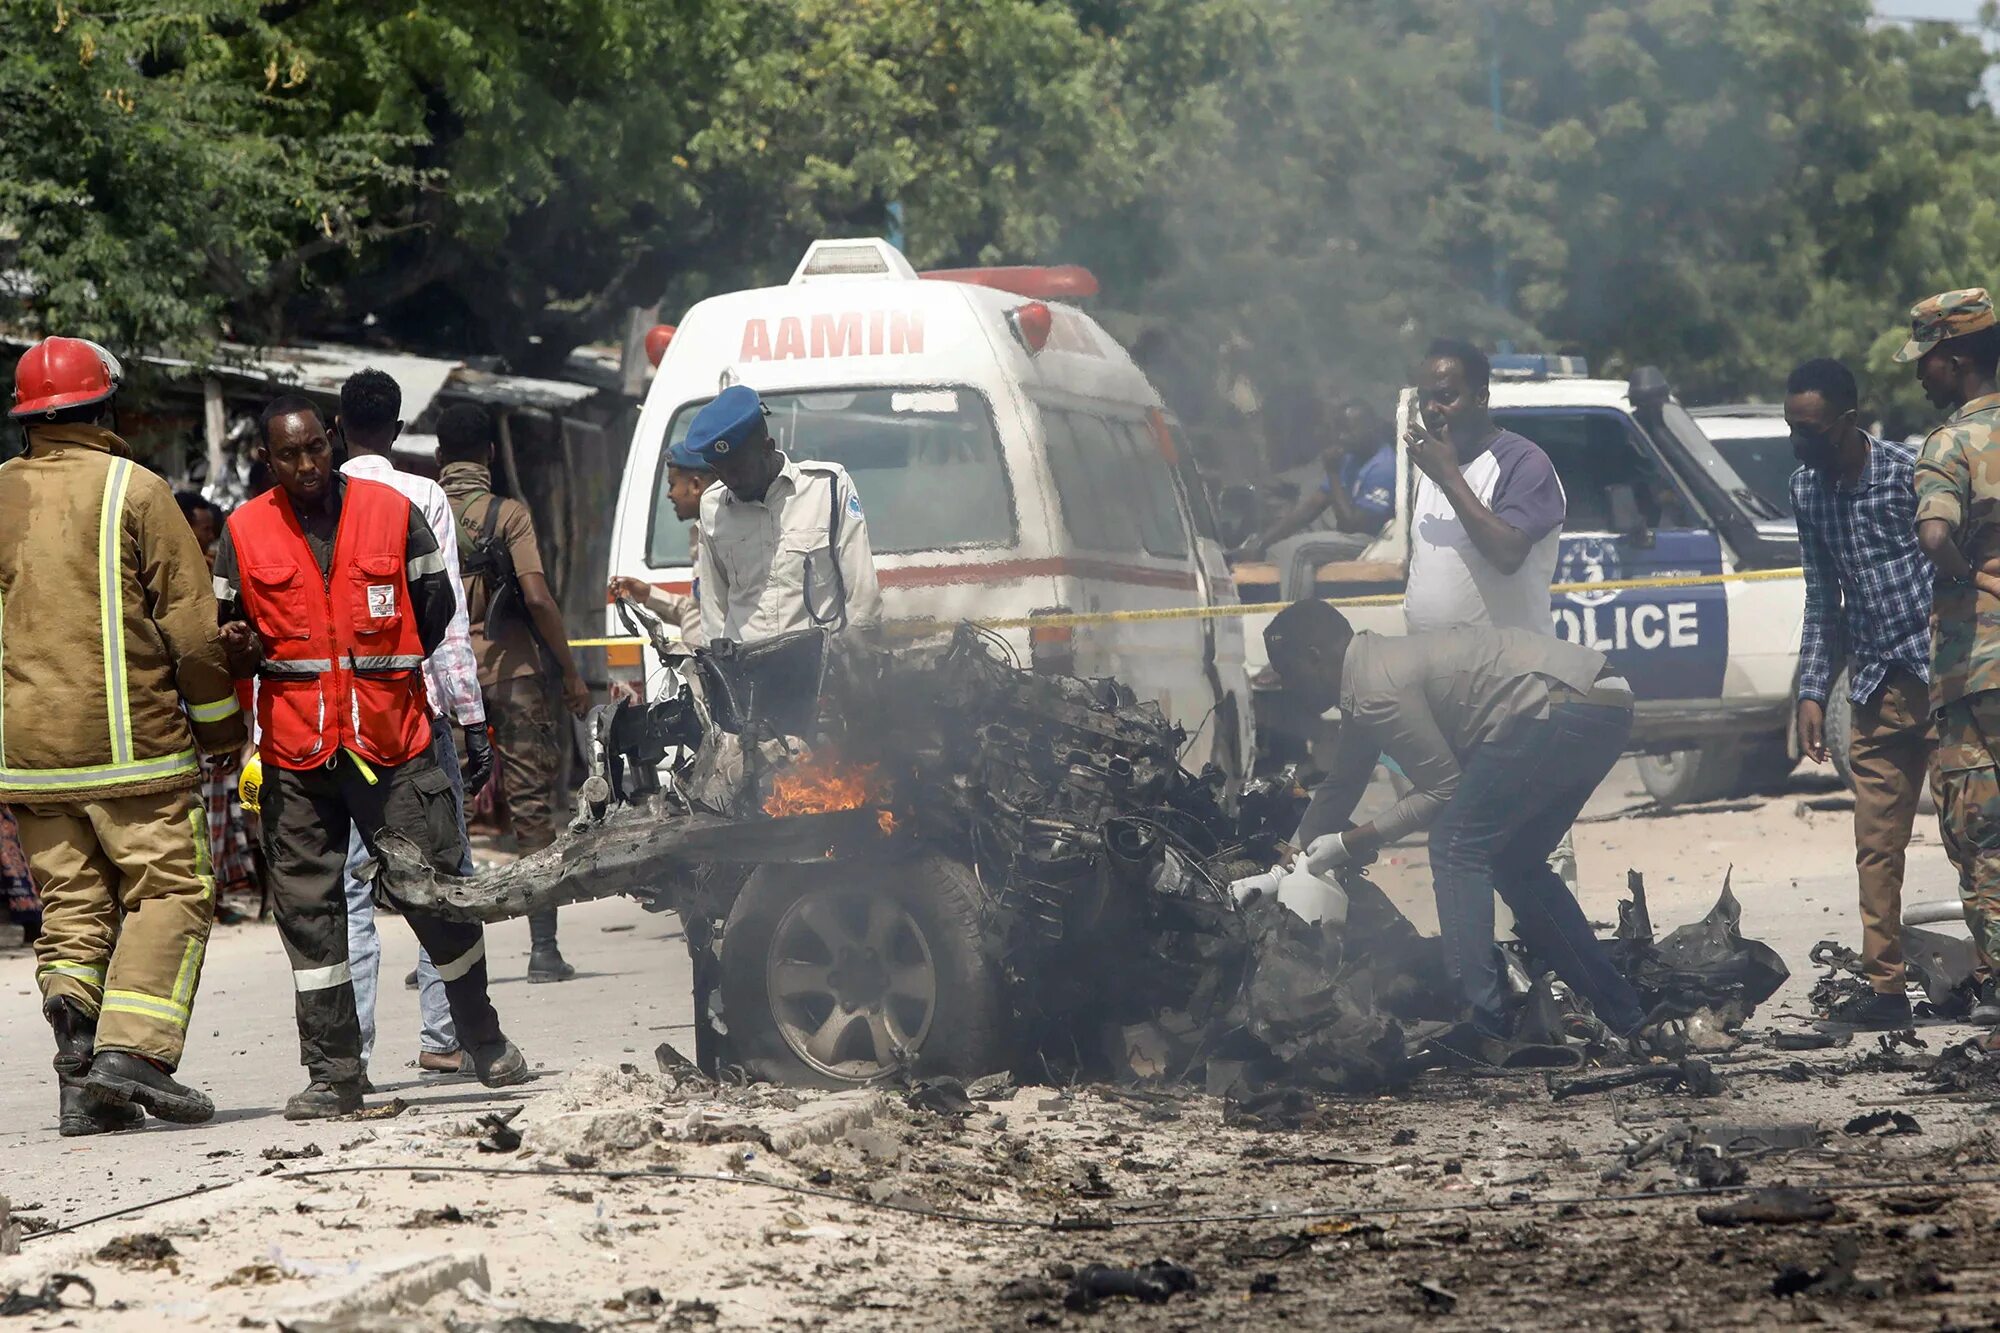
<point x="1458" y="1183"/>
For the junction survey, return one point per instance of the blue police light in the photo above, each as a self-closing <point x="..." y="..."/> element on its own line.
<point x="1538" y="366"/>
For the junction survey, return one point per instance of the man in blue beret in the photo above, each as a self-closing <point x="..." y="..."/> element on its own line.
<point x="784" y="543"/>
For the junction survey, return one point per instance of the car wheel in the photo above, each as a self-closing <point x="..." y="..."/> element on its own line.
<point x="834" y="976"/>
<point x="1686" y="777"/>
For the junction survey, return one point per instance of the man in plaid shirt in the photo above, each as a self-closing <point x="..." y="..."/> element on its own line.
<point x="1868" y="586"/>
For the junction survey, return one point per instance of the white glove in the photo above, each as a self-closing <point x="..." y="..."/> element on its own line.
<point x="1327" y="854"/>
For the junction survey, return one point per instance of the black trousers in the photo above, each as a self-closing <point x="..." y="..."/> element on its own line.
<point x="307" y="818"/>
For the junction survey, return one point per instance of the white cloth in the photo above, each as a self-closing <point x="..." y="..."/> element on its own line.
<point x="451" y="675"/>
<point x="752" y="565"/>
<point x="1452" y="584"/>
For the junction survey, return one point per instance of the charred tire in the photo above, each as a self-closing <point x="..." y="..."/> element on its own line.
<point x="827" y="973"/>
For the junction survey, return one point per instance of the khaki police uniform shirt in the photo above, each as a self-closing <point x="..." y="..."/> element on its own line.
<point x="1427" y="700"/>
<point x="759" y="560"/>
<point x="1958" y="480"/>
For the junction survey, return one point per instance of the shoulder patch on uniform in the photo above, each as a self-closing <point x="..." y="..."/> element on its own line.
<point x="854" y="503"/>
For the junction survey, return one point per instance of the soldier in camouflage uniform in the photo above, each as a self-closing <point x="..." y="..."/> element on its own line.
<point x="1956" y="347"/>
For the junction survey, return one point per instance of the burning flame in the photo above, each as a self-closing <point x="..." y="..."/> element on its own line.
<point x="820" y="786"/>
<point x="886" y="821"/>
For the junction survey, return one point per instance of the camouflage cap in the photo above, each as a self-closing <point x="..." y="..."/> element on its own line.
<point x="1946" y="315"/>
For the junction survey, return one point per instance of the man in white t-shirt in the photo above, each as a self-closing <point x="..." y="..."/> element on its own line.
<point x="1486" y="521"/>
<point x="1488" y="513"/>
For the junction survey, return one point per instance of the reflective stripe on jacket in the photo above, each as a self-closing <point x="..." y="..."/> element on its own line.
<point x="343" y="658"/>
<point x="111" y="665"/>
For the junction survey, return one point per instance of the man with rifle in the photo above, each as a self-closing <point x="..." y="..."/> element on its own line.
<point x="517" y="629"/>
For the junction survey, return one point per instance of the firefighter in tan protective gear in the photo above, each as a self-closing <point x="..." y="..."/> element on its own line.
<point x="112" y="677"/>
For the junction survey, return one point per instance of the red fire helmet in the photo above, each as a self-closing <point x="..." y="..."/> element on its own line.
<point x="58" y="373"/>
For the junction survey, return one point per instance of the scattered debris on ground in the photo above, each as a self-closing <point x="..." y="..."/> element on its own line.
<point x="1779" y="1206"/>
<point x="300" y="1154"/>
<point x="48" y="1297"/>
<point x="145" y="1249"/>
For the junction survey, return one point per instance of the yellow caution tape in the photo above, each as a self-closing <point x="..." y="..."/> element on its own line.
<point x="1079" y="618"/>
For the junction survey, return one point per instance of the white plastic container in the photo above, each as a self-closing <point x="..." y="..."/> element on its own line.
<point x="1312" y="899"/>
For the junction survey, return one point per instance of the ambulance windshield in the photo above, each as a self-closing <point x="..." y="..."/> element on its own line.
<point x="925" y="459"/>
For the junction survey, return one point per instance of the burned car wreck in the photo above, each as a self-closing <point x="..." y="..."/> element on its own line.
<point x="929" y="860"/>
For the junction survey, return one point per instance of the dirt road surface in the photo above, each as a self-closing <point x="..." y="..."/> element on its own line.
<point x="1471" y="1201"/>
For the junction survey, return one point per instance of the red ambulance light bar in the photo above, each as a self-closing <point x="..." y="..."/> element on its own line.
<point x="1032" y="323"/>
<point x="657" y="339"/>
<point x="1042" y="282"/>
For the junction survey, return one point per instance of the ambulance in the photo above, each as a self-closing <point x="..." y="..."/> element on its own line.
<point x="1012" y="462"/>
<point x="1709" y="640"/>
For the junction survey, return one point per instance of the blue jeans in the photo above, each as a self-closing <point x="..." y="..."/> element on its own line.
<point x="1516" y="798"/>
<point x="364" y="943"/>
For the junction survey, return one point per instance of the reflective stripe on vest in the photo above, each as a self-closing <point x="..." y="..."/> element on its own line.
<point x="342" y="654"/>
<point x="49" y="781"/>
<point x="299" y="668"/>
<point x="218" y="711"/>
<point x="111" y="608"/>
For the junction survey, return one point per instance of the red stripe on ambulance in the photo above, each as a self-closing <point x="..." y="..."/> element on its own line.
<point x="1007" y="571"/>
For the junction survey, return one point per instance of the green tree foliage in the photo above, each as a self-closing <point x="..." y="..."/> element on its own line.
<point x="1719" y="187"/>
<point x="1285" y="198"/>
<point x="508" y="178"/>
<point x="148" y="179"/>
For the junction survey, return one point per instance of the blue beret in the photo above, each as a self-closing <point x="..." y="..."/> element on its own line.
<point x="735" y="415"/>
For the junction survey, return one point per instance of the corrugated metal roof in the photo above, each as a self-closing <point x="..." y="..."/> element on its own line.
<point x="321" y="368"/>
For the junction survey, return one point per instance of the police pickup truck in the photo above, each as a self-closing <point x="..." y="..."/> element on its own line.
<point x="1710" y="636"/>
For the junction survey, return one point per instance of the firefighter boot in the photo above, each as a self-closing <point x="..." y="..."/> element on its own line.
<point x="120" y="1078"/>
<point x="545" y="960"/>
<point x="76" y="1042"/>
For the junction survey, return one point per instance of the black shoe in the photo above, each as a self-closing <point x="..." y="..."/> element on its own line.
<point x="499" y="1064"/>
<point x="545" y="963"/>
<point x="78" y="1114"/>
<point x="1985" y="1004"/>
<point x="410" y="982"/>
<point x="1870" y="1011"/>
<point x="118" y="1078"/>
<point x="323" y="1101"/>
